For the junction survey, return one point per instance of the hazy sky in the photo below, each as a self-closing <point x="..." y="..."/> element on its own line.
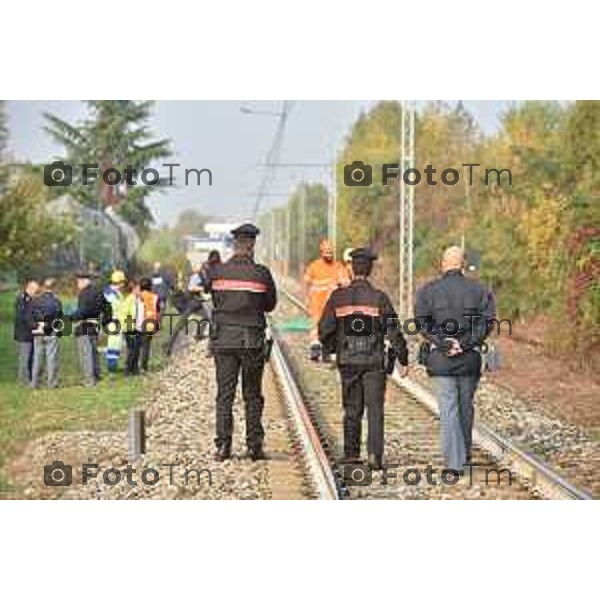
<point x="218" y="136"/>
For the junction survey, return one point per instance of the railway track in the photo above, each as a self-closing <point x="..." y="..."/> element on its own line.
<point x="413" y="458"/>
<point x="303" y="423"/>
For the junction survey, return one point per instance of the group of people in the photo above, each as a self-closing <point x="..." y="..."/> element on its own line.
<point x="129" y="312"/>
<point x="339" y="296"/>
<point x="193" y="300"/>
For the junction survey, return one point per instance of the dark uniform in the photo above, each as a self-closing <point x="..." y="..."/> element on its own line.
<point x="23" y="327"/>
<point x="242" y="292"/>
<point x="188" y="303"/>
<point x="455" y="306"/>
<point x="92" y="310"/>
<point x="361" y="356"/>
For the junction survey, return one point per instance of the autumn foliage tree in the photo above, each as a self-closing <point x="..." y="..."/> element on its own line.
<point x="538" y="239"/>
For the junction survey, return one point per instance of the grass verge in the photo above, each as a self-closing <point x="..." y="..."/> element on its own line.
<point x="27" y="414"/>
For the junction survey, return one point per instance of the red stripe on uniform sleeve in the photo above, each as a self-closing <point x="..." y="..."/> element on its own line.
<point x="344" y="311"/>
<point x="239" y="285"/>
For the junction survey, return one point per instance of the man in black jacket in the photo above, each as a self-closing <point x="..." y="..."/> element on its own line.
<point x="189" y="303"/>
<point x="453" y="313"/>
<point x="354" y="325"/>
<point x="242" y="293"/>
<point x="47" y="313"/>
<point x="92" y="310"/>
<point x="23" y="327"/>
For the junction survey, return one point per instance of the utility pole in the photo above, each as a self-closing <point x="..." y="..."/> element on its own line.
<point x="332" y="209"/>
<point x="274" y="151"/>
<point x="302" y="229"/>
<point x="288" y="240"/>
<point x="272" y="236"/>
<point x="406" y="209"/>
<point x="465" y="213"/>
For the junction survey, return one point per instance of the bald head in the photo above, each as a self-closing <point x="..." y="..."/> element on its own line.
<point x="453" y="258"/>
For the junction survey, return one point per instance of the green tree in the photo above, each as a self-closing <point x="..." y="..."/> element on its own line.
<point x="446" y="136"/>
<point x="308" y="223"/>
<point x="582" y="148"/>
<point x="3" y="144"/>
<point x="163" y="245"/>
<point x="114" y="135"/>
<point x="190" y="222"/>
<point x="583" y="144"/>
<point x="28" y="232"/>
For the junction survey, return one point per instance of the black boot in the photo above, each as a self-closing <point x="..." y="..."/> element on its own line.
<point x="315" y="352"/>
<point x="256" y="453"/>
<point x="223" y="452"/>
<point x="375" y="462"/>
<point x="351" y="459"/>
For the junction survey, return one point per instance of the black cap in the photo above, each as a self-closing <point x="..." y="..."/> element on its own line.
<point x="245" y="231"/>
<point x="363" y="255"/>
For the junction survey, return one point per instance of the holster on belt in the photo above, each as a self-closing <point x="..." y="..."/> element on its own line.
<point x="389" y="360"/>
<point x="213" y="329"/>
<point x="267" y="347"/>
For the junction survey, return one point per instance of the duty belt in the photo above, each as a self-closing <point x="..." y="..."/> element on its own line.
<point x="436" y="347"/>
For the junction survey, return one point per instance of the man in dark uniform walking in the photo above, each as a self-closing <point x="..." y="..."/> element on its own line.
<point x="354" y="325"/>
<point x="242" y="292"/>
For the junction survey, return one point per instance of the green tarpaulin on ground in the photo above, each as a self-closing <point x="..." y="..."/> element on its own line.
<point x="300" y="323"/>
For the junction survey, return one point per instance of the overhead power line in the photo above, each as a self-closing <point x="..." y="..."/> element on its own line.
<point x="272" y="157"/>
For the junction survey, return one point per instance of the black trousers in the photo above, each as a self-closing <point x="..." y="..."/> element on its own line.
<point x="228" y="364"/>
<point x="133" y="342"/>
<point x="138" y="352"/>
<point x="197" y="327"/>
<point x="145" y="341"/>
<point x="362" y="388"/>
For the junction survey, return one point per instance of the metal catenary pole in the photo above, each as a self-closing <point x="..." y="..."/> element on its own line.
<point x="332" y="208"/>
<point x="302" y="229"/>
<point x="406" y="210"/>
<point x="288" y="239"/>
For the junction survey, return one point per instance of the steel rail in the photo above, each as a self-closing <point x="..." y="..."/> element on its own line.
<point x="316" y="458"/>
<point x="527" y="467"/>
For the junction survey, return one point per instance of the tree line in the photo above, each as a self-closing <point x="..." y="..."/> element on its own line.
<point x="537" y="241"/>
<point x="46" y="227"/>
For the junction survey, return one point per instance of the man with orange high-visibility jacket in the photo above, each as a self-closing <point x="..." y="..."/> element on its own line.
<point x="322" y="277"/>
<point x="147" y="319"/>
